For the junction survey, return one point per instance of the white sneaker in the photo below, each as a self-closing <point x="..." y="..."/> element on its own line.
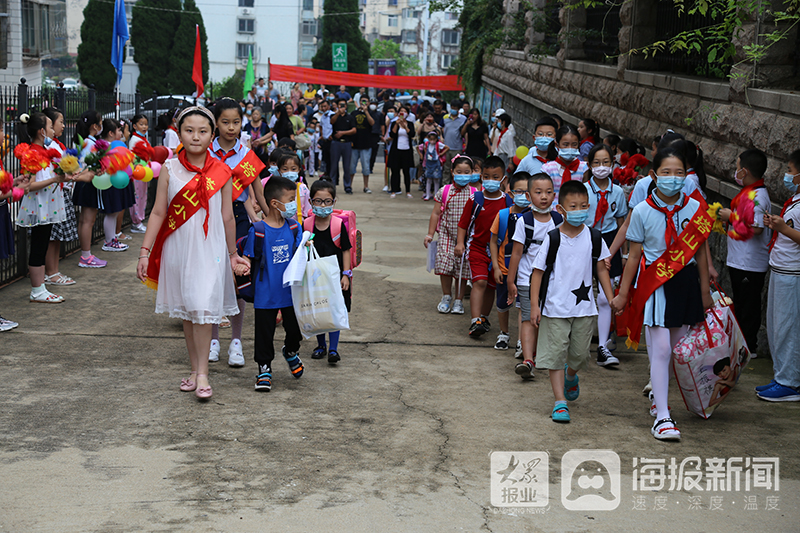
<point x="502" y="341"/>
<point x="138" y="228"/>
<point x="235" y="355"/>
<point x="458" y="308"/>
<point x="385" y="189"/>
<point x="444" y="305"/>
<point x="518" y="352"/>
<point x="213" y="353"/>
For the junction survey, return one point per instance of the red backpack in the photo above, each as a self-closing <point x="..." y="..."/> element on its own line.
<point x="341" y="219"/>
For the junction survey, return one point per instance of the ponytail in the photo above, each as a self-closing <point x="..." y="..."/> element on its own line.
<point x="29" y="126"/>
<point x="85" y="122"/>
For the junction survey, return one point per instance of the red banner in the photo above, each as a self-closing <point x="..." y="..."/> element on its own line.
<point x="330" y="77"/>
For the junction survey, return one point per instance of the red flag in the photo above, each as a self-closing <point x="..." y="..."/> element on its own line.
<point x="197" y="69"/>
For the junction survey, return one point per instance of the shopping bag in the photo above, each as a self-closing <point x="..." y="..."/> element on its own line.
<point x="432" y="247"/>
<point x="296" y="269"/>
<point x="709" y="359"/>
<point x="317" y="299"/>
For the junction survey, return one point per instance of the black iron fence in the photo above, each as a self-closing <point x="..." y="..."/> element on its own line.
<point x="601" y="41"/>
<point x="15" y="100"/>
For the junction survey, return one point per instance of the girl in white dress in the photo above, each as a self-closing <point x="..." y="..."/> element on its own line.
<point x="190" y="260"/>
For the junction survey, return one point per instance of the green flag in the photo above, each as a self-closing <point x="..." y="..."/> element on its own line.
<point x="249" y="75"/>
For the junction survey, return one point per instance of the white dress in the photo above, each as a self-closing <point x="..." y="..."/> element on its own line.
<point x="196" y="282"/>
<point x="45" y="206"/>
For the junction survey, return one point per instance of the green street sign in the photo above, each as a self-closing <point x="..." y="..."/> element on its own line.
<point x="339" y="51"/>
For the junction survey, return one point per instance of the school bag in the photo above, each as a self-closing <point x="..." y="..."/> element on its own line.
<point x="554" y="237"/>
<point x="446" y="198"/>
<point x="477" y="205"/>
<point x="245" y="285"/>
<point x="529" y="221"/>
<point x="347" y="221"/>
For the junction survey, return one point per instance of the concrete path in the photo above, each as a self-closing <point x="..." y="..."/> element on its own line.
<point x="95" y="435"/>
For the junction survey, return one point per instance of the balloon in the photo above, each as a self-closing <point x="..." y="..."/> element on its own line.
<point x="522" y="151"/>
<point x="161" y="153"/>
<point x="155" y="166"/>
<point x="102" y="182"/>
<point x="169" y="151"/>
<point x="139" y="172"/>
<point x="17" y="194"/>
<point x="120" y="179"/>
<point x="148" y="174"/>
<point x="129" y="171"/>
<point x="516" y="160"/>
<point x="115" y="144"/>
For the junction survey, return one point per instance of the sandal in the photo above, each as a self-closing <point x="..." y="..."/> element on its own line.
<point x="560" y="413"/>
<point x="187" y="385"/>
<point x="319" y="352"/>
<point x="47" y="297"/>
<point x="224" y="323"/>
<point x="59" y="279"/>
<point x="665" y="429"/>
<point x="203" y="393"/>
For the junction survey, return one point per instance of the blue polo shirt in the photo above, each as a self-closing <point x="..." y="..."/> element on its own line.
<point x="617" y="205"/>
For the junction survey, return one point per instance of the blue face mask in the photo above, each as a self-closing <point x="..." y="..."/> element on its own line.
<point x="670" y="185"/>
<point x="413" y="102"/>
<point x="521" y="200"/>
<point x="322" y="211"/>
<point x="290" y="210"/>
<point x="568" y="154"/>
<point x="491" y="185"/>
<point x="475" y="178"/>
<point x="390" y="114"/>
<point x="788" y="182"/>
<point x="543" y="143"/>
<point x="462" y="179"/>
<point x="47" y="141"/>
<point x="576" y="218"/>
<point x="310" y="130"/>
<point x="249" y="111"/>
<point x="291" y="175"/>
<point x="274" y="171"/>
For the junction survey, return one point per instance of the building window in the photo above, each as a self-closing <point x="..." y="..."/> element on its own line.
<point x="393" y="21"/>
<point x="35" y="29"/>
<point x="409" y="13"/>
<point x="309" y="28"/>
<point x="409" y="36"/>
<point x="247" y="26"/>
<point x="363" y="18"/>
<point x="308" y="5"/>
<point x="447" y="61"/>
<point x="392" y="3"/>
<point x="307" y="52"/>
<point x="3" y="34"/>
<point x="246" y="3"/>
<point x="450" y="16"/>
<point x="243" y="50"/>
<point x="450" y="38"/>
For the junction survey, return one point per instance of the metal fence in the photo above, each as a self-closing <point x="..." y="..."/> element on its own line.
<point x="601" y="43"/>
<point x="23" y="98"/>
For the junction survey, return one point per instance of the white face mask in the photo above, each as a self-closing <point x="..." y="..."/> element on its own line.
<point x="373" y="107"/>
<point x="601" y="173"/>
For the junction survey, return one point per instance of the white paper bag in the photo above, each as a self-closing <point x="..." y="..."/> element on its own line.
<point x="293" y="275"/>
<point x="318" y="301"/>
<point x="432" y="247"/>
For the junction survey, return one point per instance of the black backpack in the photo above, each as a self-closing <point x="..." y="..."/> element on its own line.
<point x="529" y="220"/>
<point x="555" y="241"/>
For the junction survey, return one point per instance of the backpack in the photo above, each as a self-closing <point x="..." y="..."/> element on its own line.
<point x="529" y="221"/>
<point x="507" y="224"/>
<point x="446" y="198"/>
<point x="555" y="241"/>
<point x="477" y="205"/>
<point x="347" y="220"/>
<point x="245" y="285"/>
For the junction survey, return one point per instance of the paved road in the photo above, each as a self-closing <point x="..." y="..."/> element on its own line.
<point x="95" y="436"/>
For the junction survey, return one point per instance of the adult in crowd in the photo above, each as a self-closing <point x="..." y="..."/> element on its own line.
<point x="343" y="130"/>
<point x="282" y="127"/>
<point x="260" y="134"/>
<point x="506" y="146"/>
<point x="274" y="93"/>
<point x="326" y="135"/>
<point x="476" y="134"/>
<point x="343" y="94"/>
<point x="298" y="124"/>
<point x="310" y="92"/>
<point x="401" y="157"/>
<point x="453" y="139"/>
<point x="378" y="131"/>
<point x="296" y="94"/>
<point x="261" y="91"/>
<point x="494" y="130"/>
<point x="438" y="112"/>
<point x="362" y="140"/>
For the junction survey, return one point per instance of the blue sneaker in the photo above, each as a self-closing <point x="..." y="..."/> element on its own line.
<point x="294" y="362"/>
<point x="560" y="413"/>
<point x="779" y="393"/>
<point x="571" y="388"/>
<point x="765" y="387"/>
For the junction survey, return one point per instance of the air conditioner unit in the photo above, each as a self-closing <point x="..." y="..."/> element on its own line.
<point x="246" y="12"/>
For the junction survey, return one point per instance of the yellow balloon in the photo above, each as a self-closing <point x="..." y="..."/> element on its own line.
<point x="522" y="151"/>
<point x="148" y="174"/>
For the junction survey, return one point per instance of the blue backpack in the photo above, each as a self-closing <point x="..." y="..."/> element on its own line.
<point x="245" y="285"/>
<point x="507" y="224"/>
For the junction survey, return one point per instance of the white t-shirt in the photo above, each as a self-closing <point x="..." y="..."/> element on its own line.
<point x="403" y="142"/>
<point x="570" y="293"/>
<point x="540" y="231"/>
<point x="785" y="255"/>
<point x="752" y="255"/>
<point x="171" y="139"/>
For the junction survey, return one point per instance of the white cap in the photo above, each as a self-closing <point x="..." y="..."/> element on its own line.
<point x="499" y="112"/>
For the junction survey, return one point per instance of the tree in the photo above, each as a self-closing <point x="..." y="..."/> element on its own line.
<point x="94" y="52"/>
<point x="153" y="28"/>
<point x="406" y="66"/>
<point x="339" y="28"/>
<point x="182" y="54"/>
<point x="230" y="86"/>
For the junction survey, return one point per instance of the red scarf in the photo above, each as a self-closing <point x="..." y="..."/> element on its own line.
<point x="671" y="235"/>
<point x="203" y="185"/>
<point x="143" y="138"/>
<point x="789" y="203"/>
<point x="60" y="144"/>
<point x="590" y="139"/>
<point x="540" y="158"/>
<point x="602" y="204"/>
<point x="173" y="128"/>
<point x="569" y="168"/>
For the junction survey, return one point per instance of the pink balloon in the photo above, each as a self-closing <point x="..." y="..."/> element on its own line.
<point x="156" y="167"/>
<point x="129" y="171"/>
<point x="170" y="152"/>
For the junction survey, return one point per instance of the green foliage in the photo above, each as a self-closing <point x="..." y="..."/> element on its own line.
<point x="152" y="36"/>
<point x="482" y="33"/>
<point x="406" y="66"/>
<point x="182" y="55"/>
<point x="94" y="52"/>
<point x="230" y="86"/>
<point x="342" y="28"/>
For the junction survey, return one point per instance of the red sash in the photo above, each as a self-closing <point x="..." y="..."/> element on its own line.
<point x="193" y="196"/>
<point x="672" y="261"/>
<point x="245" y="173"/>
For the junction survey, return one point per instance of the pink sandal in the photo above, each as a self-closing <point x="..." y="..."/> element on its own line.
<point x="203" y="393"/>
<point x="187" y="385"/>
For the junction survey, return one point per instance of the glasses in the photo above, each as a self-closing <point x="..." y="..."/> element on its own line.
<point x="519" y="191"/>
<point x="319" y="202"/>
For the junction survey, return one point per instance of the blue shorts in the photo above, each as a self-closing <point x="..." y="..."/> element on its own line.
<point x="502" y="296"/>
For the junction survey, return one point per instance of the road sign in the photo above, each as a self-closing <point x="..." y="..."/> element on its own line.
<point x="339" y="51"/>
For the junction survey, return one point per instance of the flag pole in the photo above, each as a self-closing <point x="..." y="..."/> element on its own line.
<point x="117" y="106"/>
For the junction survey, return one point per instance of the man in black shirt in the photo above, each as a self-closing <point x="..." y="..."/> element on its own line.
<point x="378" y="131"/>
<point x="362" y="140"/>
<point x="343" y="128"/>
<point x="438" y="112"/>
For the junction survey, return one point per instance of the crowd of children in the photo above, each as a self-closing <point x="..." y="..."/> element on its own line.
<point x="546" y="233"/>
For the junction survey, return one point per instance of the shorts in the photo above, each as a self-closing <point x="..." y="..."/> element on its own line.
<point x="502" y="296"/>
<point x="564" y="340"/>
<point x="481" y="266"/>
<point x="524" y="297"/>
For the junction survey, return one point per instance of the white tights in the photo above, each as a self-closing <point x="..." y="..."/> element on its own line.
<point x="431" y="186"/>
<point x="660" y="342"/>
<point x="110" y="226"/>
<point x="603" y="318"/>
